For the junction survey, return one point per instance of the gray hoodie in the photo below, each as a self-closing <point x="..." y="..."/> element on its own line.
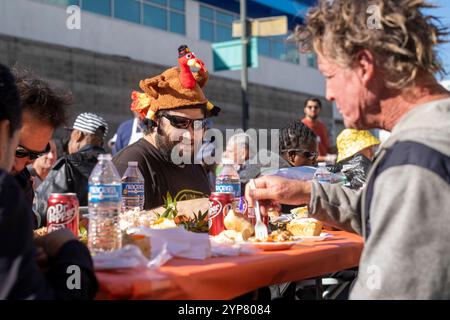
<point x="403" y="212"/>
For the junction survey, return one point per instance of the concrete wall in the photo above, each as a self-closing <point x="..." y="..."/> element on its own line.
<point x="103" y="62"/>
<point x="34" y="20"/>
<point x="103" y="83"/>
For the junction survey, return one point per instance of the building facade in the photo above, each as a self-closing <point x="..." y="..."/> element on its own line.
<point x="119" y="42"/>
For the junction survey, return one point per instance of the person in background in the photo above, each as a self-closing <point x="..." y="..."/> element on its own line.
<point x="128" y="133"/>
<point x="355" y="155"/>
<point x="298" y="145"/>
<point x="21" y="261"/>
<point x="175" y="115"/>
<point x="312" y="109"/>
<point x="44" y="110"/>
<point x="71" y="172"/>
<point x="40" y="168"/>
<point x="384" y="78"/>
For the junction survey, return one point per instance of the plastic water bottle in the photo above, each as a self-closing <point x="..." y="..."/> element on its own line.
<point x="105" y="202"/>
<point x="132" y="188"/>
<point x="322" y="174"/>
<point x="228" y="180"/>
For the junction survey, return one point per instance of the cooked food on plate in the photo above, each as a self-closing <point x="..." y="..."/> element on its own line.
<point x="275" y="236"/>
<point x="236" y="221"/>
<point x="140" y="240"/>
<point x="305" y="227"/>
<point x="300" y="212"/>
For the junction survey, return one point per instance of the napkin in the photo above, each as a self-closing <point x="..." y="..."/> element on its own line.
<point x="129" y="256"/>
<point x="219" y="248"/>
<point x="178" y="242"/>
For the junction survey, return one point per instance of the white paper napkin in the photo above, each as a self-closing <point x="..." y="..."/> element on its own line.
<point x="178" y="241"/>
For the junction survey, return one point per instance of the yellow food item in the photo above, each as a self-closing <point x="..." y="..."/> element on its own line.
<point x="40" y="232"/>
<point x="300" y="212"/>
<point x="163" y="223"/>
<point x="273" y="214"/>
<point x="276" y="236"/>
<point x="235" y="221"/>
<point x="305" y="227"/>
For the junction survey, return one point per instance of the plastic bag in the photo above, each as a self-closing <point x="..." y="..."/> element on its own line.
<point x="355" y="170"/>
<point x="305" y="173"/>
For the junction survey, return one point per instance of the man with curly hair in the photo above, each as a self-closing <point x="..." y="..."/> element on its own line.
<point x="383" y="77"/>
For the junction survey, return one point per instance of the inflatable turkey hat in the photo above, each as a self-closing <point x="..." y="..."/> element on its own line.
<point x="175" y="88"/>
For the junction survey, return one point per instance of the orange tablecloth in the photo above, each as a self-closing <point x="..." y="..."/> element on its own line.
<point x="229" y="277"/>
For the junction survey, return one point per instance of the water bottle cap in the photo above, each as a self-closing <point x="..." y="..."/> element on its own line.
<point x="104" y="156"/>
<point x="132" y="163"/>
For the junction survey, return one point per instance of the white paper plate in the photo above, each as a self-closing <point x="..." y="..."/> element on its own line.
<point x="274" y="246"/>
<point x="321" y="237"/>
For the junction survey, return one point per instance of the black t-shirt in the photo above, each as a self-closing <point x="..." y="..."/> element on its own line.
<point x="161" y="176"/>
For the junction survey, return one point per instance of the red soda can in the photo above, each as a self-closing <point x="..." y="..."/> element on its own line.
<point x="63" y="212"/>
<point x="219" y="204"/>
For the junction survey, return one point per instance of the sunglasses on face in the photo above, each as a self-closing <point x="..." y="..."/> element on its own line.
<point x="184" y="123"/>
<point x="23" y="152"/>
<point x="304" y="153"/>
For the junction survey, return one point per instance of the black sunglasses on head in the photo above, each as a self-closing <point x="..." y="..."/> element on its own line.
<point x="184" y="123"/>
<point x="309" y="155"/>
<point x="23" y="152"/>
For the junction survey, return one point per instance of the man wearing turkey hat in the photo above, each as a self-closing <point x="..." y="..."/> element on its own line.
<point x="174" y="111"/>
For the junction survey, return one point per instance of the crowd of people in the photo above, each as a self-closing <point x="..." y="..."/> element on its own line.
<point x="396" y="196"/>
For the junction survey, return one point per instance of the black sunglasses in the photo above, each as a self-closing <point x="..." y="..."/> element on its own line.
<point x="22" y="152"/>
<point x="184" y="123"/>
<point x="309" y="155"/>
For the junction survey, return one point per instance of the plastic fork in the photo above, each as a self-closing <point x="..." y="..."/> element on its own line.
<point x="261" y="232"/>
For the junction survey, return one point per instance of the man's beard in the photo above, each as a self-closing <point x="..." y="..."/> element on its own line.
<point x="165" y="145"/>
<point x="314" y="117"/>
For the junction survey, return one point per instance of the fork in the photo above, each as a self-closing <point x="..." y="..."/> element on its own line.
<point x="261" y="232"/>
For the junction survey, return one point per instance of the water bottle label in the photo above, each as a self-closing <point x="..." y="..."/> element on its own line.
<point x="132" y="189"/>
<point x="233" y="188"/>
<point x="105" y="193"/>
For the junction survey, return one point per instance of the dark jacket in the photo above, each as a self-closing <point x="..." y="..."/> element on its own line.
<point x="20" y="277"/>
<point x="25" y="182"/>
<point x="402" y="211"/>
<point x="70" y="174"/>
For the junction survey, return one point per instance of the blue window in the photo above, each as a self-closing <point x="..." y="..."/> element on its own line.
<point x="278" y="50"/>
<point x="312" y="60"/>
<point x="216" y="24"/>
<point x="264" y="46"/>
<point x="65" y="3"/>
<point x="177" y="4"/>
<point x="276" y="47"/>
<point x="161" y="2"/>
<point x="177" y="23"/>
<point x="129" y="10"/>
<point x="98" y="6"/>
<point x="206" y="30"/>
<point x="224" y="18"/>
<point x="167" y="15"/>
<point x="206" y="12"/>
<point x="155" y="17"/>
<point x="223" y="33"/>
